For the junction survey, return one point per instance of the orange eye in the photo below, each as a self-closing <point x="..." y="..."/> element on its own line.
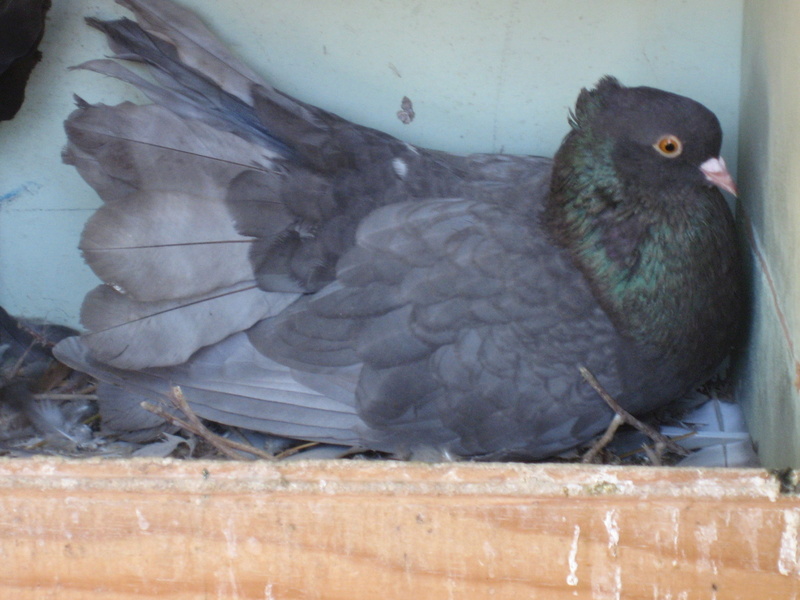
<point x="669" y="146"/>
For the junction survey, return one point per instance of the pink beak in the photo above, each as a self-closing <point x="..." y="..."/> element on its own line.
<point x="717" y="173"/>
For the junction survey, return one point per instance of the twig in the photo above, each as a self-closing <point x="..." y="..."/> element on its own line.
<point x="194" y="425"/>
<point x="39" y="337"/>
<point x="603" y="441"/>
<point x="295" y="449"/>
<point x="18" y="365"/>
<point x="652" y="433"/>
<point x="654" y="454"/>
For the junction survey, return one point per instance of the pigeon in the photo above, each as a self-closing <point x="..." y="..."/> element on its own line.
<point x="298" y="274"/>
<point x="21" y="30"/>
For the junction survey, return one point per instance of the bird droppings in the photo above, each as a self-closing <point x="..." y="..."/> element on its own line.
<point x="675" y="522"/>
<point x="231" y="542"/>
<point x="789" y="553"/>
<point x="603" y="488"/>
<point x="144" y="524"/>
<point x="268" y="592"/>
<point x="572" y="558"/>
<point x="400" y="167"/>
<point x="612" y="529"/>
<point x="706" y="537"/>
<point x="750" y="523"/>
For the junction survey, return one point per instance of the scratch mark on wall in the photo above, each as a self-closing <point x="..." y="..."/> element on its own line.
<point x="26" y="189"/>
<point x="511" y="21"/>
<point x="572" y="559"/>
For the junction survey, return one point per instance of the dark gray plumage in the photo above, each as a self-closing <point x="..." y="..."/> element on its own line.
<point x="304" y="276"/>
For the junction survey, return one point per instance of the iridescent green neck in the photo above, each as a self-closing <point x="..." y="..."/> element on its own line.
<point x="641" y="250"/>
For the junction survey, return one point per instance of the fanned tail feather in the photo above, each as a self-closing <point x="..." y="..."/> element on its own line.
<point x="135" y="335"/>
<point x="194" y="44"/>
<point x="165" y="239"/>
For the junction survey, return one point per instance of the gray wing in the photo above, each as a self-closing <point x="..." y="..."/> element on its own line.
<point x="229" y="382"/>
<point x="466" y="325"/>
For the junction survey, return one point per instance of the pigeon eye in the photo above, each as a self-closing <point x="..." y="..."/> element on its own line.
<point x="669" y="146"/>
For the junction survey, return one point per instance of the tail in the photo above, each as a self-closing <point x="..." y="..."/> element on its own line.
<point x="224" y="199"/>
<point x="164" y="240"/>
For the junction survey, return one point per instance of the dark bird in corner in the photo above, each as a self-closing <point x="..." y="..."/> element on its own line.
<point x="298" y="274"/>
<point x="21" y="30"/>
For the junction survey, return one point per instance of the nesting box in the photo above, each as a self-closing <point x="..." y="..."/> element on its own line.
<point x="483" y="76"/>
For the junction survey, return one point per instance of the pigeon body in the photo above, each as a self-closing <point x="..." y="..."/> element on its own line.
<point x="301" y="275"/>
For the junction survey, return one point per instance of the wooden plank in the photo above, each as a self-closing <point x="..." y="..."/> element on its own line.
<point x="363" y="530"/>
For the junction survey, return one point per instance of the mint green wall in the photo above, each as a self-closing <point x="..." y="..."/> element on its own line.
<point x="483" y="76"/>
<point x="770" y="196"/>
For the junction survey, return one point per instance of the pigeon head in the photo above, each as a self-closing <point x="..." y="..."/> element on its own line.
<point x="644" y="138"/>
<point x="633" y="194"/>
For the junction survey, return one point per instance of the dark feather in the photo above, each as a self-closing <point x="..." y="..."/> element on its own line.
<point x="21" y="30"/>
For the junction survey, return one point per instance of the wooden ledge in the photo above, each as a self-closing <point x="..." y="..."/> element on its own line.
<point x="354" y="530"/>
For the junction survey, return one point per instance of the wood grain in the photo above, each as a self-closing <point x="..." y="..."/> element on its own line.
<point x="352" y="531"/>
